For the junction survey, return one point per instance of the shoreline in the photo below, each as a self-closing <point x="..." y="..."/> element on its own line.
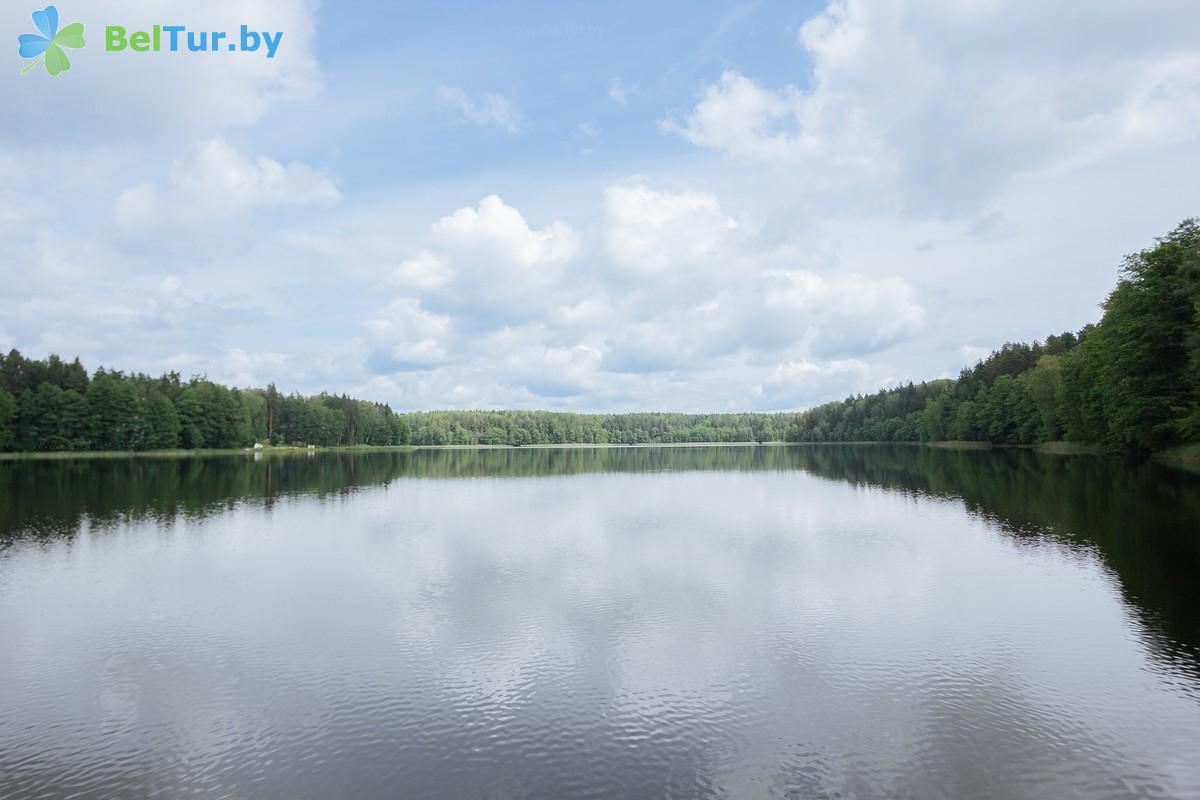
<point x="1188" y="454"/>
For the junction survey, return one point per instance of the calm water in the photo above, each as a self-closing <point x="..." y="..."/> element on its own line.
<point x="627" y="623"/>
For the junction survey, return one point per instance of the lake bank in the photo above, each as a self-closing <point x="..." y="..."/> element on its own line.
<point x="1187" y="454"/>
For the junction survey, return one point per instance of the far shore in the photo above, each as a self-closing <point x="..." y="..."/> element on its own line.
<point x="1189" y="455"/>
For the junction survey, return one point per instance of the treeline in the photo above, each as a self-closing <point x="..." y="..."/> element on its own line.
<point x="51" y="405"/>
<point x="1130" y="382"/>
<point x="55" y="405"/>
<point x="546" y="427"/>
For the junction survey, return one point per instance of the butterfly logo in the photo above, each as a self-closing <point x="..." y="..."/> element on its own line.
<point x="47" y="47"/>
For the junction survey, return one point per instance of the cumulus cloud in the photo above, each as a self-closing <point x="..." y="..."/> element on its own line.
<point x="654" y="232"/>
<point x="669" y="286"/>
<point x="216" y="181"/>
<point x="541" y="369"/>
<point x="949" y="100"/>
<point x="217" y="175"/>
<point x="424" y="271"/>
<point x="738" y="116"/>
<point x="794" y="384"/>
<point x="94" y="318"/>
<point x="498" y="228"/>
<point x="842" y="314"/>
<point x="242" y="368"/>
<point x="668" y="341"/>
<point x="407" y="336"/>
<point x="487" y="259"/>
<point x="489" y="110"/>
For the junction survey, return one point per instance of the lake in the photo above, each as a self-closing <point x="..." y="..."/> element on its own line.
<point x="800" y="622"/>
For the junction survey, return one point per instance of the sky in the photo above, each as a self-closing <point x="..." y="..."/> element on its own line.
<point x="614" y="206"/>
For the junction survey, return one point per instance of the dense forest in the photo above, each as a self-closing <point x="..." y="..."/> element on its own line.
<point x="53" y="405"/>
<point x="544" y="427"/>
<point x="1130" y="382"/>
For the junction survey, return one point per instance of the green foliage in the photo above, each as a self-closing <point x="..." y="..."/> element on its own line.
<point x="115" y="413"/>
<point x="1131" y="382"/>
<point x="1045" y="387"/>
<point x="1150" y="320"/>
<point x="52" y="419"/>
<point x="547" y="427"/>
<point x="74" y="420"/>
<point x="162" y="423"/>
<point x="8" y="415"/>
<point x="213" y="416"/>
<point x="903" y="414"/>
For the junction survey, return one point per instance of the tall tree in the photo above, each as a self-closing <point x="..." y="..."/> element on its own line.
<point x="162" y="423"/>
<point x="115" y="413"/>
<point x="8" y="416"/>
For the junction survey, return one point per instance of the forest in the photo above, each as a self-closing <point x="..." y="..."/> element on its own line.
<point x="52" y="405"/>
<point x="1130" y="382"/>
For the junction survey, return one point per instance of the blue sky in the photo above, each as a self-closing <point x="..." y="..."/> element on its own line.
<point x="681" y="206"/>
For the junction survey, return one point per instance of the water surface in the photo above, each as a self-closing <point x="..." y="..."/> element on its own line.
<point x="840" y="622"/>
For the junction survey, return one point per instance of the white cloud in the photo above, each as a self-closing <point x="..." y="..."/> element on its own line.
<point x="552" y="371"/>
<point x="972" y="354"/>
<point x="490" y="110"/>
<point x="950" y="100"/>
<point x="497" y="228"/>
<point x="137" y="206"/>
<point x="618" y="93"/>
<point x="244" y="369"/>
<point x="487" y="261"/>
<point x="543" y="370"/>
<point x="668" y="288"/>
<point x="216" y="181"/>
<point x="655" y="232"/>
<point x="217" y="177"/>
<point x="669" y="341"/>
<point x="423" y="272"/>
<point x="843" y="314"/>
<point x="93" y="317"/>
<point x="741" y="118"/>
<point x="406" y="335"/>
<point x="795" y="384"/>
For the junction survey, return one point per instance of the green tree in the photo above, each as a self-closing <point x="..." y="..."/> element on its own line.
<point x="212" y="416"/>
<point x="41" y="414"/>
<point x="75" y="420"/>
<point x="8" y="415"/>
<point x="1143" y="339"/>
<point x="113" y="406"/>
<point x="1044" y="384"/>
<point x="162" y="423"/>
